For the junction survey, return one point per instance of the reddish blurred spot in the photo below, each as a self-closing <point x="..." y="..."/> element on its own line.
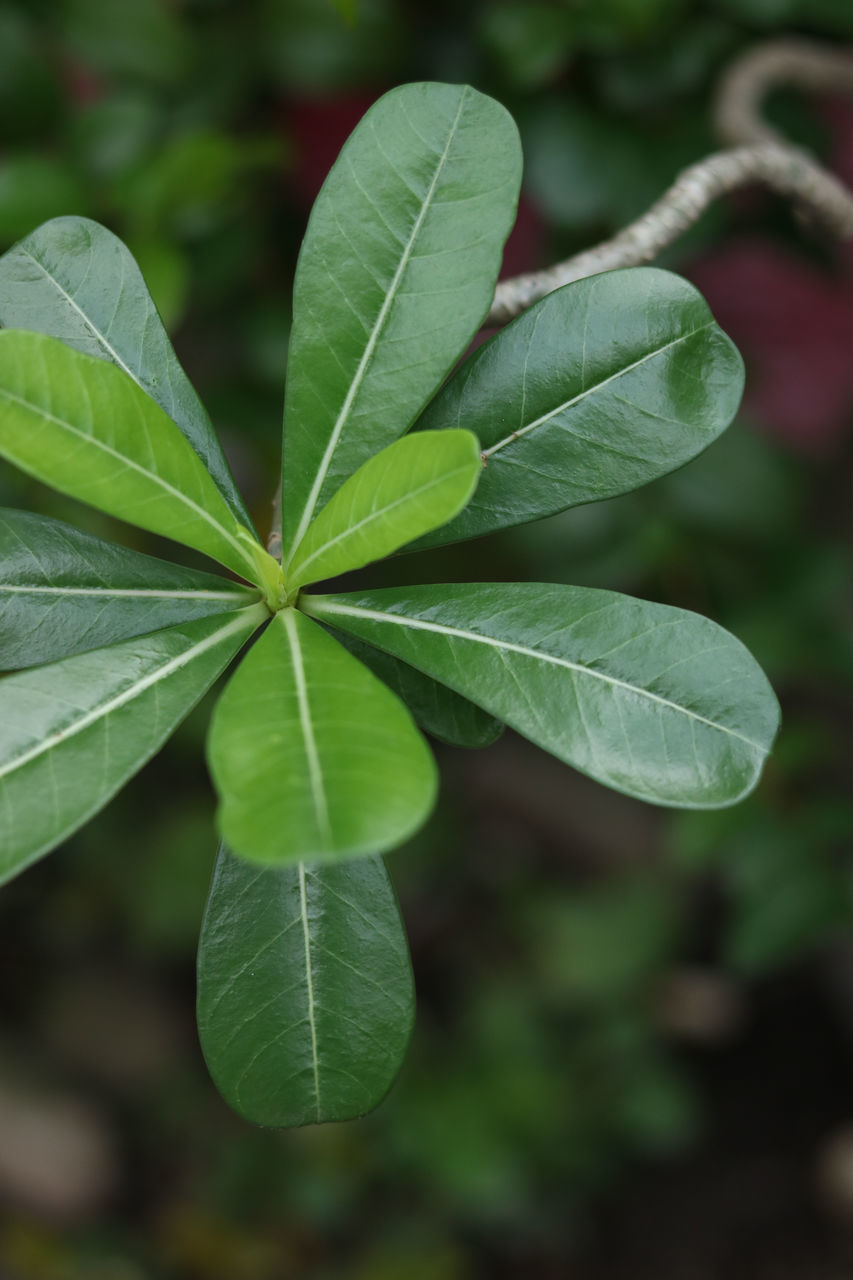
<point x="318" y="128"/>
<point x="793" y="323"/>
<point x="82" y="85"/>
<point x="794" y="326"/>
<point x="838" y="114"/>
<point x="524" y="248"/>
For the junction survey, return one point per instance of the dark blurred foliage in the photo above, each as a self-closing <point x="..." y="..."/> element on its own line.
<point x="633" y="1051"/>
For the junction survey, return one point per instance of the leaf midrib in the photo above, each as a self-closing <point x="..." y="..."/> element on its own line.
<point x="587" y="391"/>
<point x="315" y="772"/>
<point x="122" y="592"/>
<point x="309" y="982"/>
<point x="240" y="623"/>
<point x="93" y="329"/>
<point x="370" y="346"/>
<point x="318" y="606"/>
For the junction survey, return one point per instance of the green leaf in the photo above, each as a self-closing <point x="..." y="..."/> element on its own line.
<point x="313" y="757"/>
<point x="602" y="386"/>
<point x="653" y="701"/>
<point x="436" y="709"/>
<point x="411" y="487"/>
<point x="74" y="280"/>
<point x="65" y="592"/>
<point x="395" y="276"/>
<point x="85" y="428"/>
<point x="305" y="994"/>
<point x="72" y="733"/>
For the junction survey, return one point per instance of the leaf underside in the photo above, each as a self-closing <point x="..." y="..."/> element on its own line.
<point x="312" y="756"/>
<point x="305" y="994"/>
<point x="74" y="280"/>
<point x="65" y="592"/>
<point x="76" y="730"/>
<point x="395" y="275"/>
<point x="604" y="385"/>
<point x="653" y="701"/>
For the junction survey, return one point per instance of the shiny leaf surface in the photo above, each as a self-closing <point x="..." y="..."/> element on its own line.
<point x="653" y="701"/>
<point x="601" y="387"/>
<point x="85" y="428"/>
<point x="410" y="487"/>
<point x="395" y="275"/>
<point x="73" y="732"/>
<point x="312" y="756"/>
<point x="305" y="994"/>
<point x="64" y="592"/>
<point x="74" y="280"/>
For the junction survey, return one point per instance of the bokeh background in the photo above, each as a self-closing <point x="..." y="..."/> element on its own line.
<point x="634" y="1050"/>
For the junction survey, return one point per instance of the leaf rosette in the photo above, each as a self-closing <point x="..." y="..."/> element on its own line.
<point x="305" y="994"/>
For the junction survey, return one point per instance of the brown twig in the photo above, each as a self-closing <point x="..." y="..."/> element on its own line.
<point x="786" y="170"/>
<point x="747" y="81"/>
<point x="764" y="158"/>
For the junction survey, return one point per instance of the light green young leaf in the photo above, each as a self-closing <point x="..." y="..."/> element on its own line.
<point x="411" y="487"/>
<point x="653" y="701"/>
<point x="395" y="276"/>
<point x="85" y="428"/>
<point x="436" y="709"/>
<point x="305" y="993"/>
<point x="65" y="592"/>
<point x="312" y="756"/>
<point x="74" y="280"/>
<point x="601" y="387"/>
<point x="72" y="733"/>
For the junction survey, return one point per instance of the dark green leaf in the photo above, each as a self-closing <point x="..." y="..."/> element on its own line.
<point x="395" y="275"/>
<point x="305" y="995"/>
<point x="602" y="386"/>
<point x="65" y="592"/>
<point x="653" y="701"/>
<point x="74" y="280"/>
<point x="313" y="757"/>
<point x="73" y="732"/>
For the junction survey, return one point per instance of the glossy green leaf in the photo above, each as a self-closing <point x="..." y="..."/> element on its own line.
<point x="656" y="702"/>
<point x="74" y="280"/>
<point x="85" y="428"/>
<point x="313" y="757"/>
<point x="395" y="276"/>
<point x="409" y="488"/>
<point x="602" y="386"/>
<point x="64" y="592"/>
<point x="73" y="732"/>
<point x="436" y="709"/>
<point x="305" y="994"/>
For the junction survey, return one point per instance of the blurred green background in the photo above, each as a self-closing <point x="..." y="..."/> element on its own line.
<point x="634" y="1050"/>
